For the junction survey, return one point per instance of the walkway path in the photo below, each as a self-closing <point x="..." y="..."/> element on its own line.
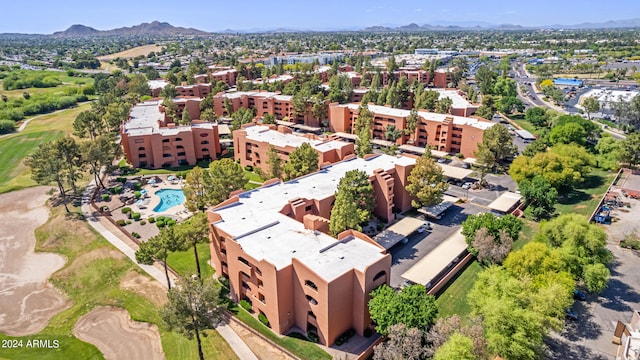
<point x="101" y="226"/>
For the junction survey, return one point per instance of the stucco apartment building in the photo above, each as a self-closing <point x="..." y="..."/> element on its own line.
<point x="272" y="245"/>
<point x="252" y="142"/>
<point x="152" y="142"/>
<point x="263" y="102"/>
<point x="200" y="90"/>
<point x="443" y="132"/>
<point x="225" y="74"/>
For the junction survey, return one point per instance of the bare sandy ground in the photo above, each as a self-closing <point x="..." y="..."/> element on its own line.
<point x="144" y="286"/>
<point x="27" y="300"/>
<point x="131" y="53"/>
<point x="117" y="336"/>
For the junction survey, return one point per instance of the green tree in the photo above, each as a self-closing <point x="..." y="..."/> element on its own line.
<point x="494" y="224"/>
<point x="511" y="104"/>
<point x="88" y="123"/>
<point x="194" y="190"/>
<point x="224" y="177"/>
<point x="591" y="105"/>
<point x="241" y="117"/>
<point x="486" y="78"/>
<point x="567" y="134"/>
<point x="268" y="119"/>
<point x="412" y="306"/>
<point x="485" y="112"/>
<point x="392" y="65"/>
<point x="98" y="154"/>
<point x="630" y="153"/>
<point x="354" y="202"/>
<point x="430" y="100"/>
<point x="340" y="89"/>
<point x="540" y="197"/>
<point x="426" y="182"/>
<point x="609" y="151"/>
<point x="194" y="306"/>
<point x="193" y="232"/>
<point x="505" y="87"/>
<point x="274" y="163"/>
<point x="537" y="116"/>
<point x="412" y="123"/>
<point x="186" y="117"/>
<point x="490" y="249"/>
<point x="496" y="147"/>
<point x="444" y="105"/>
<point x="458" y="347"/>
<point x="302" y="161"/>
<point x="158" y="248"/>
<point x="391" y="133"/>
<point x="47" y="166"/>
<point x="69" y="151"/>
<point x="596" y="277"/>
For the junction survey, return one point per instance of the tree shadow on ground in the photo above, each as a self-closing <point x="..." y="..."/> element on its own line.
<point x="617" y="295"/>
<point x="583" y="328"/>
<point x="558" y="349"/>
<point x="577" y="195"/>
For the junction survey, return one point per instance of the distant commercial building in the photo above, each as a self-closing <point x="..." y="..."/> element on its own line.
<point x="567" y="82"/>
<point x="272" y="245"/>
<point x="252" y="142"/>
<point x="150" y="141"/>
<point x="442" y="132"/>
<point x="322" y="58"/>
<point x="607" y="98"/>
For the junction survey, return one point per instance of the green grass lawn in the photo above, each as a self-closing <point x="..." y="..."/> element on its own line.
<point x="301" y="348"/>
<point x="98" y="284"/>
<point x="184" y="262"/>
<point x="15" y="147"/>
<point x="584" y="198"/>
<point x="453" y="300"/>
<point x="519" y="119"/>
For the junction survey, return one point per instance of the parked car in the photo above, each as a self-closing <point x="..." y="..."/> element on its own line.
<point x="466" y="166"/>
<point x="466" y="185"/>
<point x="424" y="227"/>
<point x="571" y="315"/>
<point x="579" y="295"/>
<point x="442" y="160"/>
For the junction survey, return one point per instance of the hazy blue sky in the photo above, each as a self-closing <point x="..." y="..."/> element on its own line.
<point x="46" y="16"/>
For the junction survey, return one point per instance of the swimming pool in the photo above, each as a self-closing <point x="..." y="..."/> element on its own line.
<point x="168" y="199"/>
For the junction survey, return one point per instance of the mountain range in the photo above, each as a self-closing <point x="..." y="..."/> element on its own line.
<point x="165" y="29"/>
<point x="154" y="28"/>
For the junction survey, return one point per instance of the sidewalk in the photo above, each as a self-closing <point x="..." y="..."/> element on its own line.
<point x="101" y="226"/>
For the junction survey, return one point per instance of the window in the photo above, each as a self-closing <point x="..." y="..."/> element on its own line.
<point x="245" y="285"/>
<point x="245" y="275"/>
<point x="142" y="156"/>
<point x="224" y="251"/>
<point x="311" y="314"/>
<point x="260" y="283"/>
<point x="204" y="142"/>
<point x="258" y="271"/>
<point x="204" y="134"/>
<point x="311" y="300"/>
<point x="311" y="284"/>
<point x="261" y="298"/>
<point x="308" y="208"/>
<point x="141" y="148"/>
<point x="182" y="153"/>
<point x="178" y="139"/>
<point x="166" y="155"/>
<point x="379" y="275"/>
<point x="139" y="141"/>
<point x="244" y="261"/>
<point x="165" y="140"/>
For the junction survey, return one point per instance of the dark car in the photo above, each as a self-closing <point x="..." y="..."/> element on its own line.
<point x="571" y="315"/>
<point x="579" y="295"/>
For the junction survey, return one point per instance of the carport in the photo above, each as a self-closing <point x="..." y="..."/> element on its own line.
<point x="383" y="143"/>
<point x="506" y="202"/>
<point x="438" y="260"/>
<point x="420" y="150"/>
<point x="398" y="231"/>
<point x="455" y="172"/>
<point x="348" y="137"/>
<point x="436" y="211"/>
<point x="525" y="135"/>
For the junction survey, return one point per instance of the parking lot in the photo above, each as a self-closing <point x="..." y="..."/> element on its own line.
<point x="590" y="337"/>
<point x="420" y="244"/>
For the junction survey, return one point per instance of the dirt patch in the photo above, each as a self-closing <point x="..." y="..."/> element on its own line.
<point x="131" y="53"/>
<point x="117" y="336"/>
<point x="579" y="207"/>
<point x="145" y="287"/>
<point x="27" y="299"/>
<point x="262" y="349"/>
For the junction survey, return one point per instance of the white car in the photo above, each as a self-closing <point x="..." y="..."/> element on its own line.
<point x="466" y="185"/>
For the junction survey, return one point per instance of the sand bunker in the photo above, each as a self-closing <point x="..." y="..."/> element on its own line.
<point x="144" y="286"/>
<point x="117" y="336"/>
<point x="27" y="299"/>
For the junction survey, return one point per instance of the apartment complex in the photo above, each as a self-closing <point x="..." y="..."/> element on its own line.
<point x="460" y="106"/>
<point x="443" y="132"/>
<point x="150" y="141"/>
<point x="252" y="142"/>
<point x="263" y="102"/>
<point x="201" y="90"/>
<point x="272" y="245"/>
<point x="225" y="74"/>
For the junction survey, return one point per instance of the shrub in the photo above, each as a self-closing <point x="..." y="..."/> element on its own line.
<point x="105" y="197"/>
<point x="7" y="126"/>
<point x="121" y="222"/>
<point x="137" y="194"/>
<point x="152" y="220"/>
<point x="135" y="235"/>
<point x="248" y="168"/>
<point x="170" y="222"/>
<point x="246" y="305"/>
<point x="263" y="319"/>
<point x="121" y="179"/>
<point x="313" y="337"/>
<point x="630" y="243"/>
<point x="160" y="224"/>
<point x="137" y="186"/>
<point x="126" y="210"/>
<point x="143" y="222"/>
<point x="118" y="189"/>
<point x="136" y="216"/>
<point x="128" y="222"/>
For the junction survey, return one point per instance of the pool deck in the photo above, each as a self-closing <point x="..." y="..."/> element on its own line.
<point x="152" y="200"/>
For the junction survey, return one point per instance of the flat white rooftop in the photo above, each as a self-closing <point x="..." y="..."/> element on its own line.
<point x="458" y="100"/>
<point x="607" y="96"/>
<point x="157" y="84"/>
<point x="505" y="202"/>
<point x="256" y="223"/>
<point x="263" y="94"/>
<point x="144" y="117"/>
<point x="430" y="116"/>
<point x="262" y="133"/>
